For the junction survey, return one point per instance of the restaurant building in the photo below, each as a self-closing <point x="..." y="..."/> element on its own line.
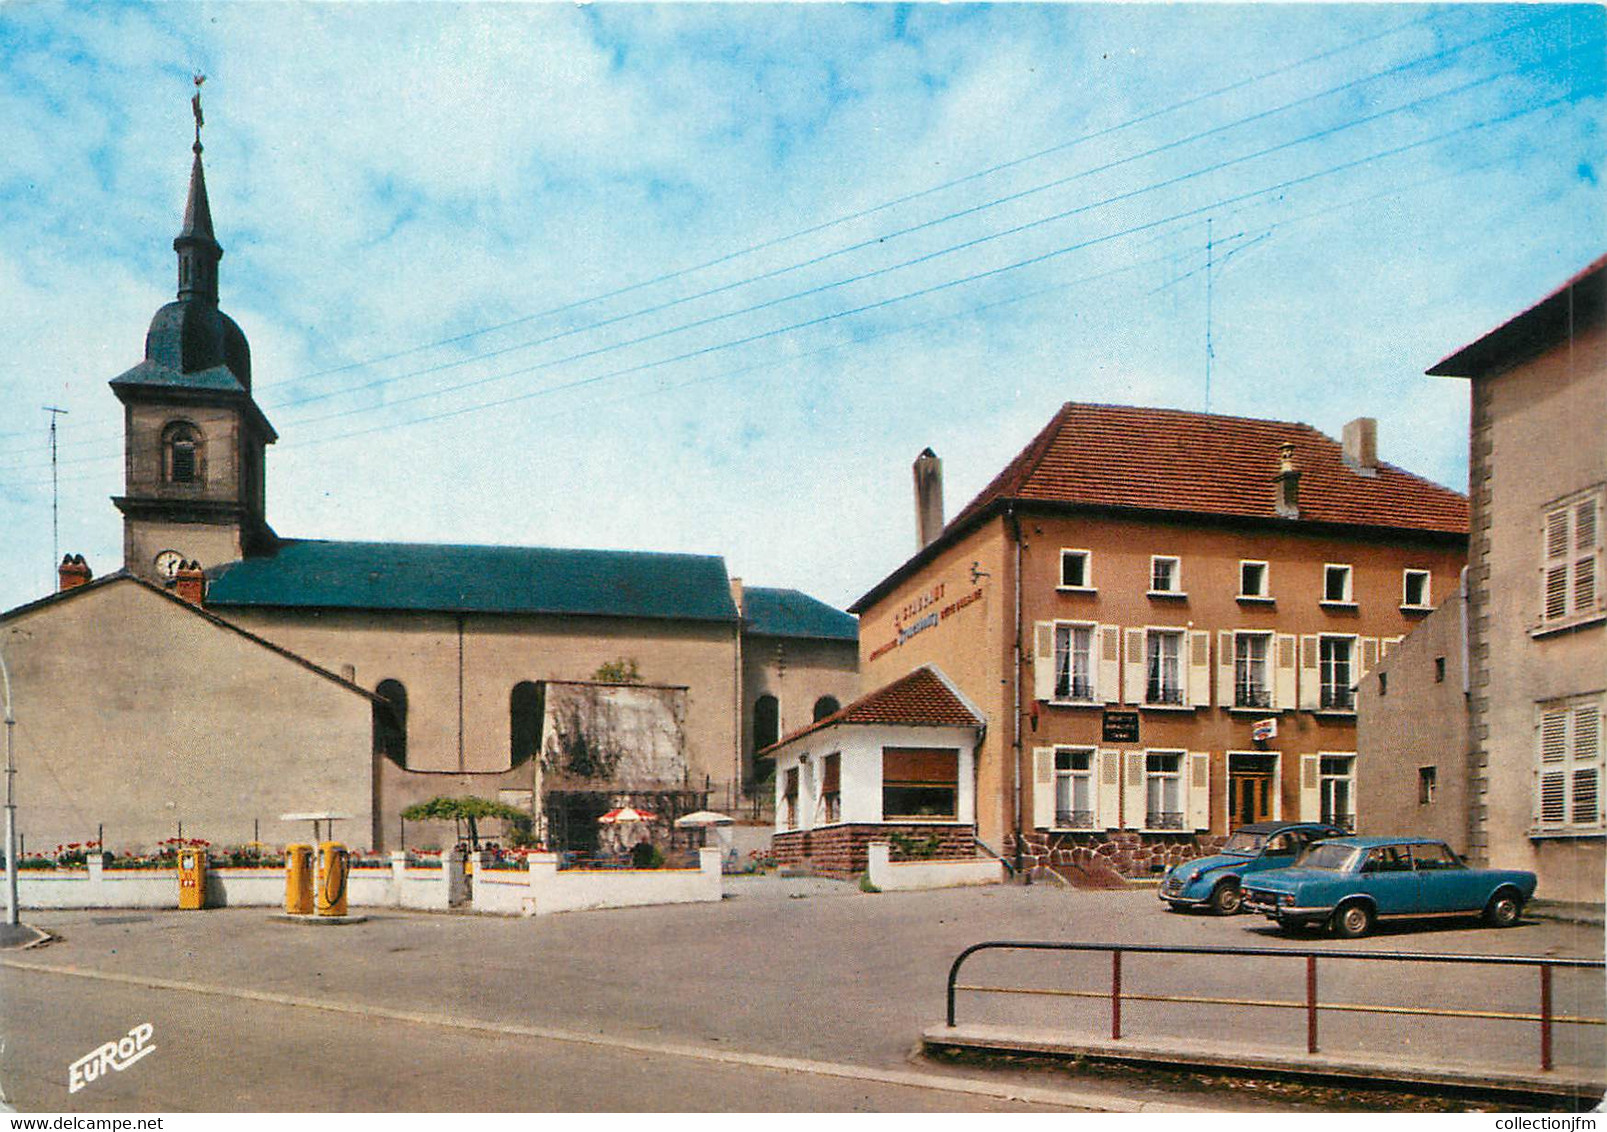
<point x="1164" y="616"/>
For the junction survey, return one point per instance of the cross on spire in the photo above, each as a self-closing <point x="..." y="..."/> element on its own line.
<point x="195" y="105"/>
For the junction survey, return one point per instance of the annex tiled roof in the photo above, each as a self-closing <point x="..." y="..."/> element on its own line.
<point x="921" y="699"/>
<point x="1168" y="460"/>
<point x="307" y="573"/>
<point x="792" y="613"/>
<point x="1578" y="303"/>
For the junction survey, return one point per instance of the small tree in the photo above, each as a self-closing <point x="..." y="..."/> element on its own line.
<point x="621" y="671"/>
<point x="469" y="809"/>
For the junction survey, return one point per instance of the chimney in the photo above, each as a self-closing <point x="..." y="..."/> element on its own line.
<point x="190" y="583"/>
<point x="737" y="595"/>
<point x="1361" y="445"/>
<point x="928" y="498"/>
<point x="1288" y="480"/>
<point x="73" y="572"/>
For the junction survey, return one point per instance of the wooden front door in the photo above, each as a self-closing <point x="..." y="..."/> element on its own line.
<point x="1251" y="785"/>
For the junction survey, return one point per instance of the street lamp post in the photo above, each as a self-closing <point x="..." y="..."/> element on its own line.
<point x="11" y="802"/>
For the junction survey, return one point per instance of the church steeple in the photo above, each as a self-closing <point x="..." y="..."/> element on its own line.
<point x="197" y="246"/>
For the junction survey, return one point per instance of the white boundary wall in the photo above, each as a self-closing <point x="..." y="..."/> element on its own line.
<point x="910" y="875"/>
<point x="549" y="890"/>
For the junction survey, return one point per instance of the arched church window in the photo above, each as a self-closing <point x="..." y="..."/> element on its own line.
<point x="824" y="706"/>
<point x="181" y="453"/>
<point x="524" y="721"/>
<point x="390" y="721"/>
<point x="766" y="722"/>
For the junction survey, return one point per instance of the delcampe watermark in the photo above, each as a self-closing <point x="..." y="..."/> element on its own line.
<point x="118" y="1055"/>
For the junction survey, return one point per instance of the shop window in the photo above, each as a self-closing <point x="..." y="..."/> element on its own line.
<point x="831" y="788"/>
<point x="1253" y="580"/>
<point x="1427" y="784"/>
<point x="1252" y="676"/>
<point x="1415" y="589"/>
<point x="1075" y="570"/>
<point x="1074" y="788"/>
<point x="766" y="722"/>
<point x="920" y="784"/>
<point x="1336" y="585"/>
<point x="1165" y="576"/>
<point x="824" y="706"/>
<point x="524" y="721"/>
<point x="1074" y="662"/>
<point x="1337" y="782"/>
<point x="1336" y="659"/>
<point x="181" y="453"/>
<point x="390" y="721"/>
<point x="1163" y="660"/>
<point x="1163" y="790"/>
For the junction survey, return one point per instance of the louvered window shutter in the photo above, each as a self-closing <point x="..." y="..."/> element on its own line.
<point x="1369" y="657"/>
<point x="1587" y="557"/>
<point x="1133" y="791"/>
<point x="1043" y="787"/>
<point x="1109" y="789"/>
<point x="1199" y="790"/>
<point x="1133" y="667"/>
<point x="1224" y="668"/>
<point x="1284" y="685"/>
<point x="1310" y="674"/>
<point x="1586" y="786"/>
<point x="1554" y="575"/>
<point x="1110" y="647"/>
<point x="1310" y="787"/>
<point x="1551" y="799"/>
<point x="1043" y="661"/>
<point x="1199" y="685"/>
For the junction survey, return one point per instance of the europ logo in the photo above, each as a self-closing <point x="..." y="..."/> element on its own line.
<point x="118" y="1055"/>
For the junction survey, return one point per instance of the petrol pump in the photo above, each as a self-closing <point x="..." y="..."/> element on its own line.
<point x="192" y="878"/>
<point x="333" y="866"/>
<point x="298" y="880"/>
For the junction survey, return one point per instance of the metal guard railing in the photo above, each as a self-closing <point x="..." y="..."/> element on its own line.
<point x="1546" y="1016"/>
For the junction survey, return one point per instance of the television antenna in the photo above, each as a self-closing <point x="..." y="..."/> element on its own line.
<point x="55" y="496"/>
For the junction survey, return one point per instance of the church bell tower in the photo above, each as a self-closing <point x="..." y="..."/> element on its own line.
<point x="194" y="440"/>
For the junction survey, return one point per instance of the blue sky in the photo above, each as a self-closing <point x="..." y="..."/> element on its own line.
<point x="707" y="278"/>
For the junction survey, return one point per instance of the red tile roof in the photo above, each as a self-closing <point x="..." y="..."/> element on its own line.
<point x="921" y="699"/>
<point x="1168" y="460"/>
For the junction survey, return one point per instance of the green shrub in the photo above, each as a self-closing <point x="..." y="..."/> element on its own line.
<point x="646" y="855"/>
<point x="865" y="885"/>
<point x="908" y="847"/>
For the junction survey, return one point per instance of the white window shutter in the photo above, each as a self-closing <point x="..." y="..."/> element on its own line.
<point x="1310" y="674"/>
<point x="1199" y="660"/>
<point x="1109" y="676"/>
<point x="1551" y="798"/>
<point x="1584" y="795"/>
<point x="1199" y="790"/>
<point x="1587" y="557"/>
<point x="1043" y="787"/>
<point x="1133" y="791"/>
<point x="1369" y="657"/>
<point x="1310" y="787"/>
<point x="1108" y="790"/>
<point x="1283" y="647"/>
<point x="1224" y="668"/>
<point x="1554" y="573"/>
<point x="1043" y="661"/>
<point x="1134" y="667"/>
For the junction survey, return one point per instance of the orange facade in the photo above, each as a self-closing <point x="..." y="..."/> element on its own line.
<point x="1205" y="627"/>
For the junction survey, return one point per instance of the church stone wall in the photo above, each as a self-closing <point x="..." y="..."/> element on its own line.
<point x="136" y="714"/>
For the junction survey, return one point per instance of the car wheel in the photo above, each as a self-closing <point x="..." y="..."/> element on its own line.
<point x="1353" y="920"/>
<point x="1226" y="899"/>
<point x="1504" y="909"/>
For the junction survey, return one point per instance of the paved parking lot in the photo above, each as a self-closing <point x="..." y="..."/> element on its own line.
<point x="808" y="970"/>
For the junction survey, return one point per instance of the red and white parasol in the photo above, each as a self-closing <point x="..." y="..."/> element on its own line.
<point x="624" y="815"/>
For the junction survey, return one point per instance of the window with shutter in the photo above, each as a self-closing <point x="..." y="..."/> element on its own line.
<point x="1568" y="786"/>
<point x="1570" y="572"/>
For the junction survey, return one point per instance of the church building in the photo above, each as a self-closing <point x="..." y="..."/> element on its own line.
<point x="225" y="675"/>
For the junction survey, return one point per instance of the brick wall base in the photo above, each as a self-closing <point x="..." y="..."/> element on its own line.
<point x="839" y="850"/>
<point x="1125" y="852"/>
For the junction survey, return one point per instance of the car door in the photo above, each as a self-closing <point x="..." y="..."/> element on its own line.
<point x="1386" y="875"/>
<point x="1445" y="884"/>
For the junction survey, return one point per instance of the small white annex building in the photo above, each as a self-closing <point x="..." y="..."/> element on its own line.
<point x="897" y="765"/>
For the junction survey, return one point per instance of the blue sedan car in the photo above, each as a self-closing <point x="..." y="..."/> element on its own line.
<point x="1213" y="882"/>
<point x="1351" y="883"/>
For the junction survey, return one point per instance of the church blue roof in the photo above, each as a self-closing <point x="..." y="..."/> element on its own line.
<point x="792" y="613"/>
<point x="315" y="574"/>
<point x="217" y="378"/>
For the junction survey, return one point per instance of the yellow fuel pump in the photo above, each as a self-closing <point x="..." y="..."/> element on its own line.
<point x="192" y="878"/>
<point x="331" y="892"/>
<point x="298" y="880"/>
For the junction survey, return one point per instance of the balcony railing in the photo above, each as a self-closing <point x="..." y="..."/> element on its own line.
<point x="1074" y="819"/>
<point x="1080" y="688"/>
<point x="1338" y="699"/>
<point x="1160" y="694"/>
<point x="1163" y="820"/>
<point x="1250" y="696"/>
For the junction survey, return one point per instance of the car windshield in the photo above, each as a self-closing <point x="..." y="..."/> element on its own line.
<point x="1322" y="856"/>
<point x="1244" y="843"/>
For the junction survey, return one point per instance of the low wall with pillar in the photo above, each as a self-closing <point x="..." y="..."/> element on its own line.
<point x="903" y="876"/>
<point x="544" y="888"/>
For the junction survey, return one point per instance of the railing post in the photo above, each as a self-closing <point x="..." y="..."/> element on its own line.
<point x="1115" y="994"/>
<point x="1545" y="1016"/>
<point x="1311" y="1004"/>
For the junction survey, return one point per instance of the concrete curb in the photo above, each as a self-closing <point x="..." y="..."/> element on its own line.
<point x="1566" y="1081"/>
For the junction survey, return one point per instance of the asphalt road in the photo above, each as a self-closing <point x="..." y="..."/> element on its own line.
<point x="801" y="995"/>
